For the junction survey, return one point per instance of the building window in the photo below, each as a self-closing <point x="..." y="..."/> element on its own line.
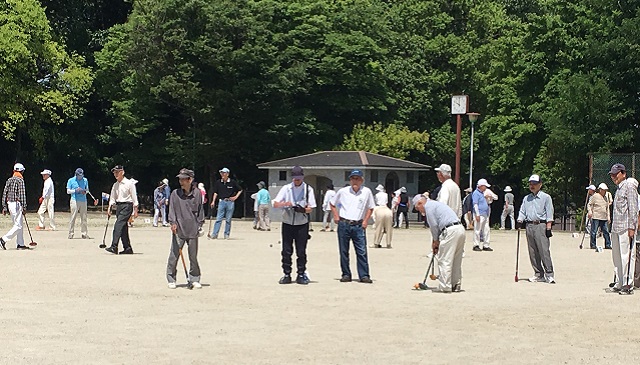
<point x="410" y="177"/>
<point x="374" y="176"/>
<point x="346" y="175"/>
<point x="283" y="175"/>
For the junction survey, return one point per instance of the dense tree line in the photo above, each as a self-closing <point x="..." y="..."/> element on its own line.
<point x="160" y="84"/>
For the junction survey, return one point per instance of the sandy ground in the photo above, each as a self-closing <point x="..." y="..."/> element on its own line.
<point x="70" y="302"/>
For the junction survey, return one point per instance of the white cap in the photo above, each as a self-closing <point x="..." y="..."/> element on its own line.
<point x="507" y="189"/>
<point x="483" y="182"/>
<point x="468" y="190"/>
<point x="591" y="187"/>
<point x="18" y="167"/>
<point x="534" y="178"/>
<point x="45" y="172"/>
<point x="380" y="187"/>
<point x="417" y="198"/>
<point x="403" y="189"/>
<point x="200" y="186"/>
<point x="165" y="181"/>
<point x="603" y="186"/>
<point x="444" y="167"/>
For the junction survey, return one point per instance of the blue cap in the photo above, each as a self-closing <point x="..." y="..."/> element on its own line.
<point x="79" y="172"/>
<point x="224" y="169"/>
<point x="356" y="173"/>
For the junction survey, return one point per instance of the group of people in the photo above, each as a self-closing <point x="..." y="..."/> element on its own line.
<point x="350" y="209"/>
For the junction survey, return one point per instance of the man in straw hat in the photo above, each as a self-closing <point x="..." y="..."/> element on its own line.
<point x="507" y="211"/>
<point x="46" y="201"/>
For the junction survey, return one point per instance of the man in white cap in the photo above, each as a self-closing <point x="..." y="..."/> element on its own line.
<point x="227" y="191"/>
<point x="448" y="238"/>
<point x="508" y="208"/>
<point x="481" y="229"/>
<point x="167" y="193"/>
<point x="598" y="213"/>
<point x="623" y="227"/>
<point x="46" y="201"/>
<point x="124" y="198"/>
<point x="449" y="193"/>
<point x="327" y="220"/>
<point x="536" y="216"/>
<point x="14" y="199"/>
<point x="403" y="208"/>
<point x="383" y="218"/>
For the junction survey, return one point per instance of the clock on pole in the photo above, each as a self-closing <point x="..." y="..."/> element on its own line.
<point x="459" y="106"/>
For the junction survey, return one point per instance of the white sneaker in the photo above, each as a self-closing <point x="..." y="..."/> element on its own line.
<point x="171" y="285"/>
<point x="550" y="280"/>
<point x="197" y="285"/>
<point x="536" y="279"/>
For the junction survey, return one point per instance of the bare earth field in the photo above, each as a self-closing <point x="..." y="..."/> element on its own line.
<point x="69" y="302"/>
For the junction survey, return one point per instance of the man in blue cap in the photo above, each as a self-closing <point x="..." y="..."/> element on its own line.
<point x="352" y="207"/>
<point x="78" y="188"/>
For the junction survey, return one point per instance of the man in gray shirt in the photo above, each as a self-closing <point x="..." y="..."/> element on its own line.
<point x="507" y="211"/>
<point x="448" y="236"/>
<point x="536" y="214"/>
<point x="186" y="216"/>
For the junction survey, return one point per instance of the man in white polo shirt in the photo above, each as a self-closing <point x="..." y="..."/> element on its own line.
<point x="449" y="193"/>
<point x="352" y="207"/>
<point x="46" y="201"/>
<point x="125" y="198"/>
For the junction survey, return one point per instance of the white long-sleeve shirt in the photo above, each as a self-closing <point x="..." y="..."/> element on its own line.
<point x="450" y="195"/>
<point x="47" y="190"/>
<point x="124" y="191"/>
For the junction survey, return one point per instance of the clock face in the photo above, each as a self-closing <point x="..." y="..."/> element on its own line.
<point x="459" y="104"/>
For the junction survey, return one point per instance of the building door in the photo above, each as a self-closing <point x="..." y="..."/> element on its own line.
<point x="391" y="183"/>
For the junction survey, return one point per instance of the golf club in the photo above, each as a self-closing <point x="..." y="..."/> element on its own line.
<point x="95" y="201"/>
<point x="517" y="255"/>
<point x="184" y="265"/>
<point x="26" y="222"/>
<point x="423" y="285"/>
<point x="104" y="244"/>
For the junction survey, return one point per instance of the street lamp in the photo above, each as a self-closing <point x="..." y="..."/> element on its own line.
<point x="473" y="117"/>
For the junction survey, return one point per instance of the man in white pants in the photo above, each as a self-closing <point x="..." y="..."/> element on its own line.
<point x="448" y="236"/>
<point x="623" y="228"/>
<point x="507" y="211"/>
<point x="46" y="202"/>
<point x="14" y="200"/>
<point x="481" y="233"/>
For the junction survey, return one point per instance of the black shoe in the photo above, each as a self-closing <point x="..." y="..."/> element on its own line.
<point x="128" y="251"/>
<point x="345" y="279"/>
<point x="626" y="290"/>
<point x="607" y="248"/>
<point x="2" y="243"/>
<point x="611" y="285"/>
<point x="302" y="279"/>
<point x="477" y="248"/>
<point x="366" y="279"/>
<point x="113" y="250"/>
<point x="285" y="280"/>
<point x="487" y="249"/>
<point x="22" y="248"/>
<point x="456" y="288"/>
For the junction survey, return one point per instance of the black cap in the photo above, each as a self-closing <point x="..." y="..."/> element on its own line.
<point x="297" y="172"/>
<point x="617" y="168"/>
<point x="185" y="174"/>
<point x="117" y="168"/>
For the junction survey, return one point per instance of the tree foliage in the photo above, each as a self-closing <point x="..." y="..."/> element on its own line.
<point x="395" y="140"/>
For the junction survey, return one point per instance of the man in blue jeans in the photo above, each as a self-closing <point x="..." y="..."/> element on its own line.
<point x="352" y="207"/>
<point x="227" y="191"/>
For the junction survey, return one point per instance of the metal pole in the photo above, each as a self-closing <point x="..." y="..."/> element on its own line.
<point x="471" y="162"/>
<point x="458" y="133"/>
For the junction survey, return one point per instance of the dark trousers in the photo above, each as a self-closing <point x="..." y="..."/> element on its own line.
<point x="602" y="224"/>
<point x="404" y="211"/>
<point x="355" y="233"/>
<point x="120" y="228"/>
<point x="300" y="235"/>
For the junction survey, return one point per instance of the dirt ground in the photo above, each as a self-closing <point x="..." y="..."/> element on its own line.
<point x="70" y="302"/>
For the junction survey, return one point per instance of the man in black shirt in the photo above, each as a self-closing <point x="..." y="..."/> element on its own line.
<point x="227" y="191"/>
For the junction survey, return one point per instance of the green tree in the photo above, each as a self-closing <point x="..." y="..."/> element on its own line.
<point x="394" y="140"/>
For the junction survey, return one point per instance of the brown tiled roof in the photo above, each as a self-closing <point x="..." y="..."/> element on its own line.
<point x="344" y="159"/>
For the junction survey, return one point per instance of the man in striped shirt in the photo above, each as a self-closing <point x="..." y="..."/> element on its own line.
<point x="623" y="227"/>
<point x="14" y="200"/>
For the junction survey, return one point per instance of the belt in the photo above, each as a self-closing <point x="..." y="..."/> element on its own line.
<point x="450" y="225"/>
<point x="118" y="203"/>
<point x="226" y="199"/>
<point x="535" y="222"/>
<point x="350" y="222"/>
